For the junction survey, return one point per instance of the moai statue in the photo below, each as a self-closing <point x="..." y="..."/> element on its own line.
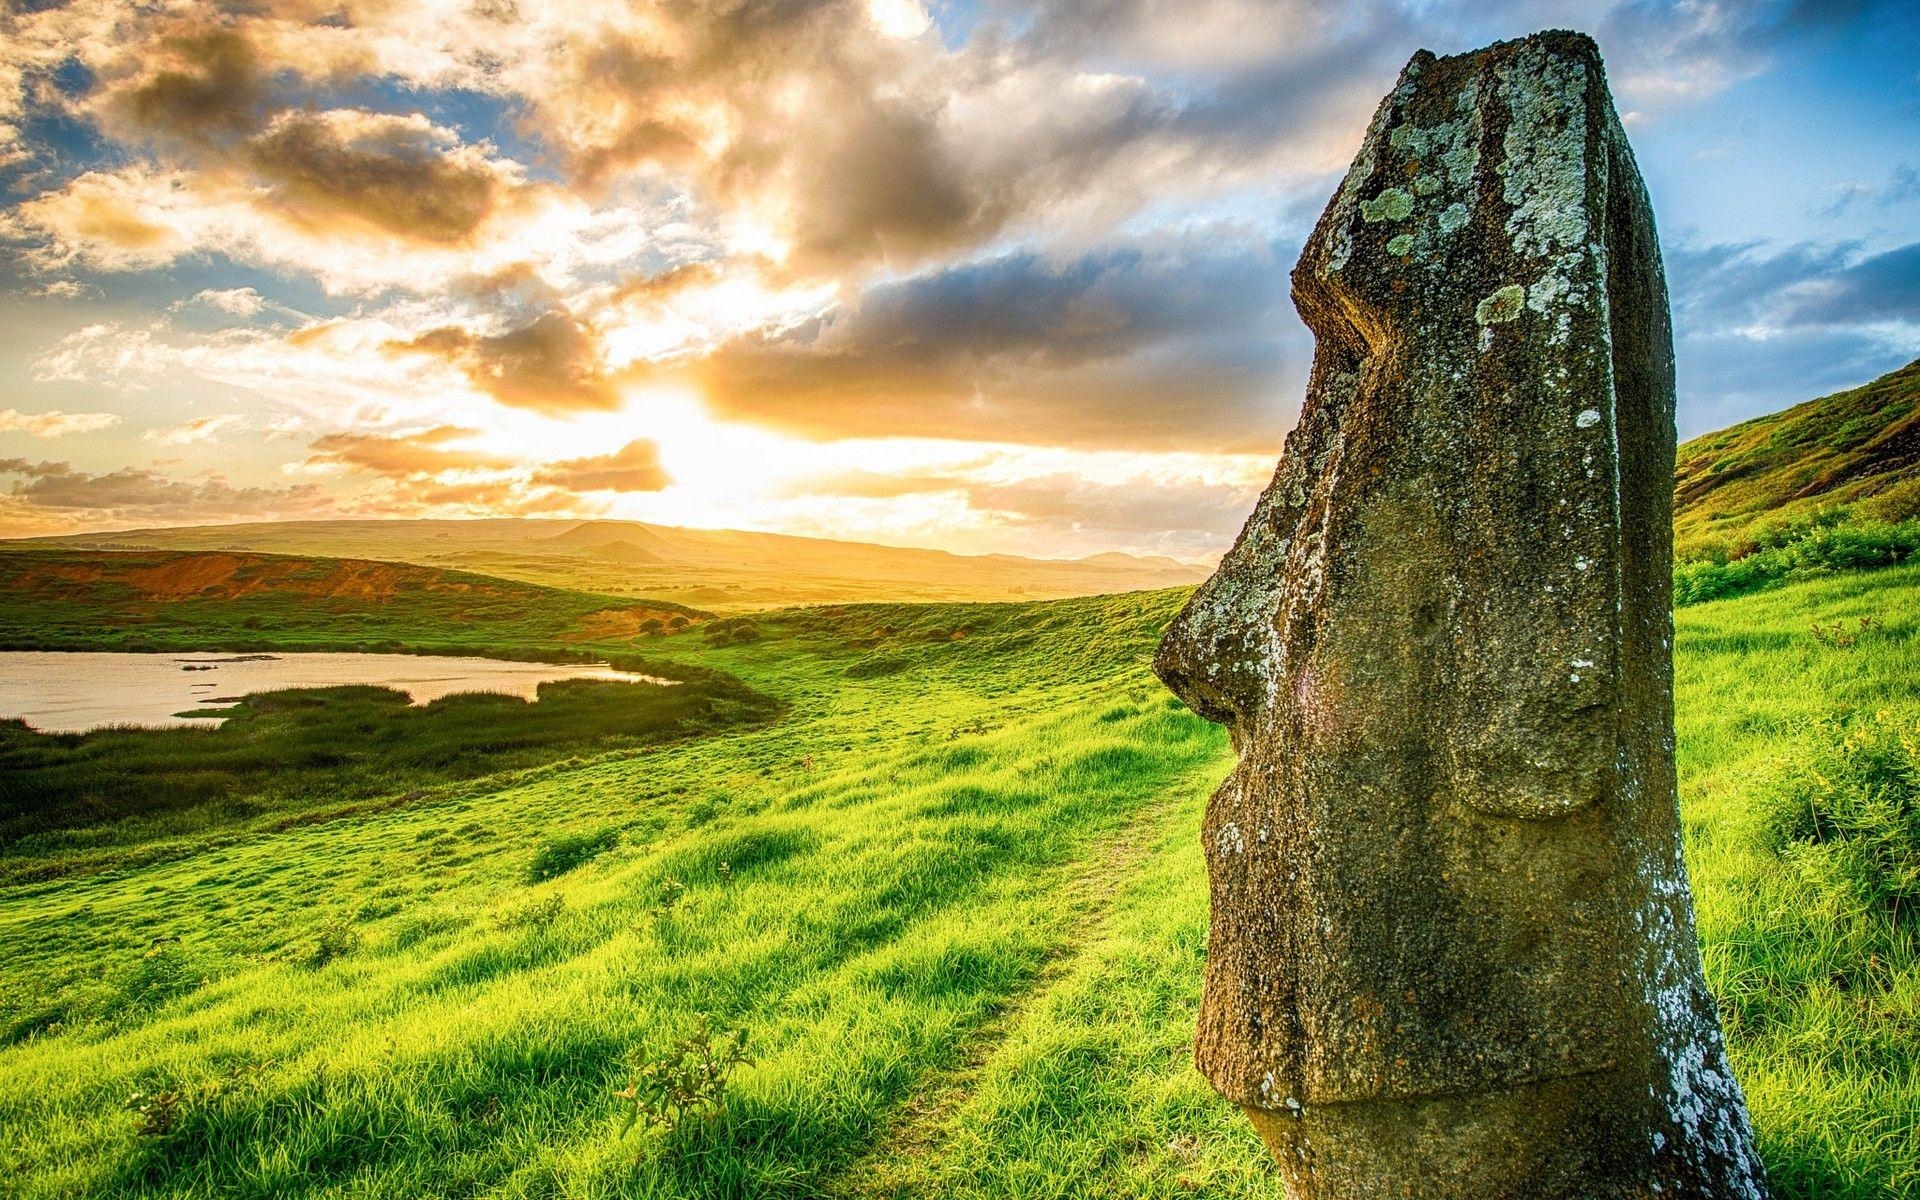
<point x="1452" y="951"/>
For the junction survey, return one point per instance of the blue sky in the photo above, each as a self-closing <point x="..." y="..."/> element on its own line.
<point x="984" y="275"/>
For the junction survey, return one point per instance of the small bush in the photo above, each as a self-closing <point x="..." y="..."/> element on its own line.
<point x="734" y="631"/>
<point x="538" y="915"/>
<point x="686" y="1080"/>
<point x="164" y="972"/>
<point x="1818" y="546"/>
<point x="1839" y="636"/>
<point x="157" y="1111"/>
<point x="336" y="939"/>
<point x="567" y="852"/>
<point x="672" y="891"/>
<point x="1848" y="815"/>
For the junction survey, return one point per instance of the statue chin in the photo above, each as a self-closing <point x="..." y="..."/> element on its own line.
<point x="1542" y="1141"/>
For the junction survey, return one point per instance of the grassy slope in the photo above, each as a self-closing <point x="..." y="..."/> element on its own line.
<point x="963" y="928"/>
<point x="907" y="854"/>
<point x="1858" y="448"/>
<point x="156" y="599"/>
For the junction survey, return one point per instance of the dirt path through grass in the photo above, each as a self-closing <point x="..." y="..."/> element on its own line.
<point x="921" y="1123"/>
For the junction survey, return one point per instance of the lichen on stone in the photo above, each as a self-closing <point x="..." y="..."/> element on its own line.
<point x="1503" y="305"/>
<point x="1394" y="204"/>
<point x="1402" y="244"/>
<point x="1545" y="144"/>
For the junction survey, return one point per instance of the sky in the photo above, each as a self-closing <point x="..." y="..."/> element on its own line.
<point x="979" y="275"/>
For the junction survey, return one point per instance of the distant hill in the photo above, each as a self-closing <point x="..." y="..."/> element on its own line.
<point x="58" y="597"/>
<point x="1857" y="449"/>
<point x="707" y="568"/>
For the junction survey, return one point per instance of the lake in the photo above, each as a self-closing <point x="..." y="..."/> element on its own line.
<point x="58" y="692"/>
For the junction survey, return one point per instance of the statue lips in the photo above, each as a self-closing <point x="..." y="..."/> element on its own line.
<point x="1452" y="946"/>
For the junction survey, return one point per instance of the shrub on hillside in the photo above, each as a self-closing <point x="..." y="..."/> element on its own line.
<point x="558" y="855"/>
<point x="336" y="939"/>
<point x="1794" y="552"/>
<point x="1848" y="815"/>
<point x="687" y="1079"/>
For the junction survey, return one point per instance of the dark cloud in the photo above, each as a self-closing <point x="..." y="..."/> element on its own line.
<point x="803" y="114"/>
<point x="195" y="82"/>
<point x="1803" y="285"/>
<point x="403" y="456"/>
<point x="859" y="149"/>
<point x="1188" y="344"/>
<point x="552" y="365"/>
<point x="396" y="176"/>
<point x="1762" y="327"/>
<point x="1878" y="288"/>
<point x="54" y="490"/>
<point x="634" y="467"/>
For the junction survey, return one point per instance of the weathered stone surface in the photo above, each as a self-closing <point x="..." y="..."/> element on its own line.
<point x="1453" y="950"/>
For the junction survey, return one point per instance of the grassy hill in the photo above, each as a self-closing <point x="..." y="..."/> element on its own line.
<point x="1855" y="452"/>
<point x="953" y="899"/>
<point x="56" y="598"/>
<point x="729" y="570"/>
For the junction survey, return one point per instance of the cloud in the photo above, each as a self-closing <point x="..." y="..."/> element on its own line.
<point x="53" y="492"/>
<point x="292" y="425"/>
<point x="552" y="365"/>
<point x="126" y="220"/>
<point x="1764" y="289"/>
<point x="1188" y="505"/>
<point x="825" y="217"/>
<point x="1878" y="288"/>
<point x="430" y="471"/>
<point x="191" y="82"/>
<point x="195" y="431"/>
<point x="819" y="135"/>
<point x="235" y="302"/>
<point x="1177" y="344"/>
<point x="53" y="424"/>
<point x="634" y="467"/>
<point x="360" y="201"/>
<point x="402" y="178"/>
<point x="873" y="485"/>
<point x="416" y="455"/>
<point x="1761" y="327"/>
<point x="1205" y="512"/>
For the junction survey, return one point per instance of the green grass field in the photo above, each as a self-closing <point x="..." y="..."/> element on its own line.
<point x="954" y="900"/>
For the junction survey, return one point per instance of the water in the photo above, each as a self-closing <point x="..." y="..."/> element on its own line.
<point x="72" y="693"/>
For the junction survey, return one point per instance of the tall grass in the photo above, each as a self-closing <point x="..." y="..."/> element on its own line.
<point x="1797" y="791"/>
